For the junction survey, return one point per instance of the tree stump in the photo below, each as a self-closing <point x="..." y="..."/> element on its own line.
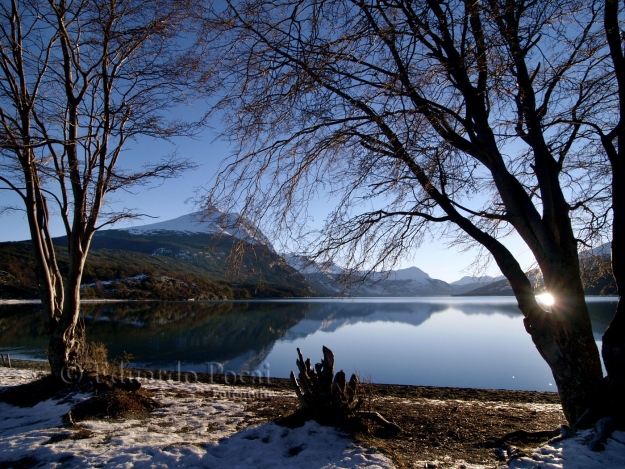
<point x="322" y="394"/>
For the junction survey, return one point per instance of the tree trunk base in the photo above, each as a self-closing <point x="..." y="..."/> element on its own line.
<point x="613" y="352"/>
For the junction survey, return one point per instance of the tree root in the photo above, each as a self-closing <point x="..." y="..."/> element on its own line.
<point x="377" y="417"/>
<point x="106" y="382"/>
<point x="504" y="451"/>
<point x="603" y="429"/>
<point x="526" y="437"/>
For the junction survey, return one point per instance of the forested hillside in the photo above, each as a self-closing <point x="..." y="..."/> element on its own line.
<point x="162" y="265"/>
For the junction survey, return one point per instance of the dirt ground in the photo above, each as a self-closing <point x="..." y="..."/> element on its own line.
<point x="445" y="427"/>
<point x="440" y="427"/>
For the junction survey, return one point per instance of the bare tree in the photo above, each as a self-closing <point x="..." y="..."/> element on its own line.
<point x="79" y="79"/>
<point x="480" y="118"/>
<point x="610" y="133"/>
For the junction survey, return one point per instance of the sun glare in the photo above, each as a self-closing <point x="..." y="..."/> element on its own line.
<point x="546" y="299"/>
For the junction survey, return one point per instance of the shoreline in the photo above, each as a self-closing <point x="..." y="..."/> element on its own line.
<point x="404" y="391"/>
<point x="17" y="301"/>
<point x="446" y="428"/>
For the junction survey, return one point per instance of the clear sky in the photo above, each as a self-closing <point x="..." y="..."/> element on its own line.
<point x="171" y="199"/>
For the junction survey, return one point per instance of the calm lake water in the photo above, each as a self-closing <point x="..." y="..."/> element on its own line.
<point x="461" y="342"/>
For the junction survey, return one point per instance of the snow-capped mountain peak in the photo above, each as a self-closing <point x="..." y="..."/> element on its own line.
<point x="307" y="266"/>
<point x="215" y="222"/>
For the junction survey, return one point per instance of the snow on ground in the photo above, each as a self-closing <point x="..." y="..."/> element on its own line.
<point x="200" y="426"/>
<point x="208" y="426"/>
<point x="573" y="453"/>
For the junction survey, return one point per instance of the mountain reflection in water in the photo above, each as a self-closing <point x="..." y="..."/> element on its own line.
<point x="465" y="342"/>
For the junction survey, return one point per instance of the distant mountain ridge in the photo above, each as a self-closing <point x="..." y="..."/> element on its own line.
<point x="331" y="279"/>
<point x="596" y="276"/>
<point x="220" y="255"/>
<point x="484" y="280"/>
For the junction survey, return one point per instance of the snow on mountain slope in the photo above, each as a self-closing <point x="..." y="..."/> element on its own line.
<point x="217" y="222"/>
<point x="309" y="267"/>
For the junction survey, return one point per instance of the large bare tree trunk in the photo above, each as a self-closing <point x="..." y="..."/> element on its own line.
<point x="562" y="334"/>
<point x="613" y="348"/>
<point x="613" y="352"/>
<point x="569" y="349"/>
<point x="64" y="347"/>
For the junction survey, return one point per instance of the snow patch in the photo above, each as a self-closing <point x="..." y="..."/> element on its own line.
<point x="573" y="453"/>
<point x="207" y="425"/>
<point x="201" y="425"/>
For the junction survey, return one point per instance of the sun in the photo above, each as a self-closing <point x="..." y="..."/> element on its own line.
<point x="546" y="299"/>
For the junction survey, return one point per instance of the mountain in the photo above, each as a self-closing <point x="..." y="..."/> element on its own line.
<point x="216" y="257"/>
<point x="229" y="225"/>
<point x="323" y="277"/>
<point x="597" y="270"/>
<point x="596" y="276"/>
<point x="331" y="279"/>
<point x="603" y="251"/>
<point x="222" y="255"/>
<point x="467" y="283"/>
<point x="497" y="288"/>
<point x="467" y="280"/>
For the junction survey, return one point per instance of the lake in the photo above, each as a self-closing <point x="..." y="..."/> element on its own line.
<point x="441" y="341"/>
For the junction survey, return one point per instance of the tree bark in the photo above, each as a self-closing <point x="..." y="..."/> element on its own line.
<point x="572" y="355"/>
<point x="613" y="351"/>
<point x="64" y="347"/>
<point x="613" y="348"/>
<point x="562" y="335"/>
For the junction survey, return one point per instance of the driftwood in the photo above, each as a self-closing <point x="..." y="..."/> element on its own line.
<point x="329" y="397"/>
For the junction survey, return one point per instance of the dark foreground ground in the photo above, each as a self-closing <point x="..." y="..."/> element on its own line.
<point x="441" y="426"/>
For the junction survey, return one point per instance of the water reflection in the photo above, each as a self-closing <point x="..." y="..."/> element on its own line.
<point x="478" y="342"/>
